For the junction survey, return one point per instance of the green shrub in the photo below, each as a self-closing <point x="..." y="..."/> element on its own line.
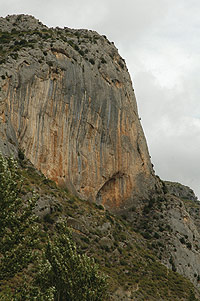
<point x="81" y="52"/>
<point x="92" y="61"/>
<point x="121" y="64"/>
<point x="182" y="240"/>
<point x="76" y="47"/>
<point x="48" y="219"/>
<point x="103" y="61"/>
<point x="14" y="55"/>
<point x="156" y="235"/>
<point x="21" y="155"/>
<point x="146" y="235"/>
<point x="67" y="274"/>
<point x="100" y="207"/>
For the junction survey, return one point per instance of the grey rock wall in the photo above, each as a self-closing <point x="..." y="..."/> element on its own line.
<point x="67" y="101"/>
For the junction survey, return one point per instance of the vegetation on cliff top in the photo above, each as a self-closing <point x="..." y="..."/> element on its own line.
<point x="77" y="42"/>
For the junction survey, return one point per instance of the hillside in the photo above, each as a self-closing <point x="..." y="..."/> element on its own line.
<point x="68" y="114"/>
<point x="126" y="256"/>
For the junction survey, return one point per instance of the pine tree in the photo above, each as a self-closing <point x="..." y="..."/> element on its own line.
<point x="18" y="230"/>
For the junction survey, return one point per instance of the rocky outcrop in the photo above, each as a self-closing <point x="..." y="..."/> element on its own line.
<point x="67" y="101"/>
<point x="172" y="228"/>
<point x="183" y="248"/>
<point x="181" y="191"/>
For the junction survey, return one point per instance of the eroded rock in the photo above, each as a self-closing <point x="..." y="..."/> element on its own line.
<point x="67" y="101"/>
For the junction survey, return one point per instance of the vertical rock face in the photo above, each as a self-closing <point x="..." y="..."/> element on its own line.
<point x="67" y="101"/>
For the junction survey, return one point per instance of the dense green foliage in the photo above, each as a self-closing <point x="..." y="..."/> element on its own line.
<point x="58" y="272"/>
<point x="64" y="272"/>
<point x="69" y="275"/>
<point x="18" y="228"/>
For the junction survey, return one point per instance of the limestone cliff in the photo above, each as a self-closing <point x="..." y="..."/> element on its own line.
<point x="67" y="100"/>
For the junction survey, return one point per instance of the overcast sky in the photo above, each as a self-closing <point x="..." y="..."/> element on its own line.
<point x="160" y="41"/>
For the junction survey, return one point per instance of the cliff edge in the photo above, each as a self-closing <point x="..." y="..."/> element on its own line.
<point x="66" y="100"/>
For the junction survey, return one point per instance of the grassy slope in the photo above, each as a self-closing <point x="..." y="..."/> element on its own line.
<point x="134" y="272"/>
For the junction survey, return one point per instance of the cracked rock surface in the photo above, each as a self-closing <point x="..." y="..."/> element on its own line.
<point x="66" y="100"/>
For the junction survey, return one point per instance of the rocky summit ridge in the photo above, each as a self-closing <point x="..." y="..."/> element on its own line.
<point x="67" y="104"/>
